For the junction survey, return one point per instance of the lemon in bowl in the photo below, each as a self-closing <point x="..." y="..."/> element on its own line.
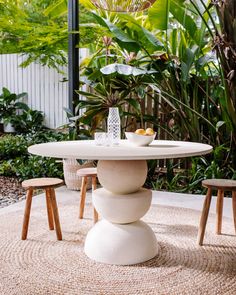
<point x="141" y="137"/>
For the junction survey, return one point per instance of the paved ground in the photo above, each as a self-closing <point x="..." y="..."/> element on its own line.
<point x="162" y="198"/>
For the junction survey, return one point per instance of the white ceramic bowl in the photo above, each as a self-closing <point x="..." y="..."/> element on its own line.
<point x="139" y="140"/>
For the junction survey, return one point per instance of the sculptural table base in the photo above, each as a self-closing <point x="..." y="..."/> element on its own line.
<point x="121" y="238"/>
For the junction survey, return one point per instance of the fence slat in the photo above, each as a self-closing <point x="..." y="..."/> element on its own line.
<point x="46" y="91"/>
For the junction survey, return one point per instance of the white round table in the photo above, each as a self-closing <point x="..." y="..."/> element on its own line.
<point x="121" y="237"/>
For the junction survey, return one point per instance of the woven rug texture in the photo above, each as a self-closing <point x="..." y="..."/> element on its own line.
<point x="43" y="265"/>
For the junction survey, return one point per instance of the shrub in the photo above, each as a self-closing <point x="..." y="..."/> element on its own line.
<point x="12" y="146"/>
<point x="30" y="120"/>
<point x="45" y="136"/>
<point x="36" y="166"/>
<point x="6" y="168"/>
<point x="15" y="160"/>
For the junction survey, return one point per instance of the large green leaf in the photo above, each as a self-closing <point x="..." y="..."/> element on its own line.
<point x="174" y="41"/>
<point x="56" y="9"/>
<point x="180" y="14"/>
<point x="159" y="14"/>
<point x="146" y="38"/>
<point x="87" y="4"/>
<point x="134" y="103"/>
<point x="152" y="39"/>
<point x="121" y="37"/>
<point x="187" y="63"/>
<point x="87" y="94"/>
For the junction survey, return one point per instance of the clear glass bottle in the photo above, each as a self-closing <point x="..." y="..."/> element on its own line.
<point x="113" y="125"/>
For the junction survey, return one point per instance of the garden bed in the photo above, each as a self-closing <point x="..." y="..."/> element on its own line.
<point x="10" y="191"/>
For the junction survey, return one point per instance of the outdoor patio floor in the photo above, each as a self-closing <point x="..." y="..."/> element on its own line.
<point x="42" y="265"/>
<point x="64" y="196"/>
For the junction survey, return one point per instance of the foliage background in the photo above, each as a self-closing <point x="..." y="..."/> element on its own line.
<point x="180" y="51"/>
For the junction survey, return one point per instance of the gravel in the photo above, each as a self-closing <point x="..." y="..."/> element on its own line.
<point x="10" y="191"/>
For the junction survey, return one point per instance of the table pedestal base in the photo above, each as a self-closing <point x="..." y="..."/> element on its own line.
<point x="121" y="238"/>
<point x="121" y="244"/>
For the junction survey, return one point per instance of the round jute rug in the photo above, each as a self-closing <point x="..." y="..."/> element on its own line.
<point x="43" y="265"/>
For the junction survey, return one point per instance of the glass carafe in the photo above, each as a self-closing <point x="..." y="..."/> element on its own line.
<point x="113" y="125"/>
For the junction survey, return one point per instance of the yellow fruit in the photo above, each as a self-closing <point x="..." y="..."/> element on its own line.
<point x="140" y="132"/>
<point x="149" y="131"/>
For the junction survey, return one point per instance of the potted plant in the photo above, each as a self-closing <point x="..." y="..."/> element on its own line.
<point x="9" y="105"/>
<point x="71" y="166"/>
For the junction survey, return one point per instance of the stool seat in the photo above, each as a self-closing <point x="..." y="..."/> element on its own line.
<point x="42" y="183"/>
<point x="223" y="184"/>
<point x="87" y="172"/>
<point x="48" y="185"/>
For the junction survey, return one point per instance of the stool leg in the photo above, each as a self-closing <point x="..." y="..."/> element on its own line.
<point x="219" y="211"/>
<point x="234" y="208"/>
<point x="204" y="216"/>
<point x="27" y="214"/>
<point x="82" y="196"/>
<point x="94" y="186"/>
<point x="49" y="209"/>
<point x="55" y="214"/>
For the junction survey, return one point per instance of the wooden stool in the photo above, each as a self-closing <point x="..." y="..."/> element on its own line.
<point x="47" y="184"/>
<point x="85" y="173"/>
<point x="220" y="185"/>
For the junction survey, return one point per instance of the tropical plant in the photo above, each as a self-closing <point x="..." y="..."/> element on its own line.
<point x="224" y="43"/>
<point x="165" y="54"/>
<point x="174" y="40"/>
<point x="180" y="80"/>
<point x="117" y="85"/>
<point x="28" y="121"/>
<point x="9" y="105"/>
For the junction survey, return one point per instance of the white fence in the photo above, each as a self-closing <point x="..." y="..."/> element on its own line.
<point x="45" y="87"/>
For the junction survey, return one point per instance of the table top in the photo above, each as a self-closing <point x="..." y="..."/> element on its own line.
<point x="87" y="150"/>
